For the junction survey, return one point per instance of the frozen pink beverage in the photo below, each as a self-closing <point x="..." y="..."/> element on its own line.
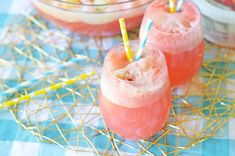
<point x="179" y="35"/>
<point x="135" y="98"/>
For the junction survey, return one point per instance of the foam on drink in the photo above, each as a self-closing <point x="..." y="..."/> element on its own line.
<point x="179" y="22"/>
<point x="174" y="32"/>
<point x="135" y="82"/>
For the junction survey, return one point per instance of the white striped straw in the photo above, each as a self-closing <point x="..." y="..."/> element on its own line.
<point x="179" y="4"/>
<point x="144" y="39"/>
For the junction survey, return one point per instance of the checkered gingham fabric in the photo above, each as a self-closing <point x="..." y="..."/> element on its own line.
<point x="15" y="141"/>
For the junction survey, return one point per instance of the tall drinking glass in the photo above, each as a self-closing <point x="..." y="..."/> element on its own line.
<point x="179" y="35"/>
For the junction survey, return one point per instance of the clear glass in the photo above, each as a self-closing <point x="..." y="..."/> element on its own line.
<point x="183" y="50"/>
<point x="90" y="19"/>
<point x="135" y="108"/>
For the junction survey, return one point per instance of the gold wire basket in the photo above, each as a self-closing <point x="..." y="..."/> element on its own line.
<point x="70" y="117"/>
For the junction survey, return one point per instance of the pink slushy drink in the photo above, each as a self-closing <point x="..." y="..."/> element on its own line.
<point x="179" y="35"/>
<point x="135" y="98"/>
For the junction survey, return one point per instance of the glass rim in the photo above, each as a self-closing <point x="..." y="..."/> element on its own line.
<point x="160" y="53"/>
<point x="94" y="6"/>
<point x="197" y="24"/>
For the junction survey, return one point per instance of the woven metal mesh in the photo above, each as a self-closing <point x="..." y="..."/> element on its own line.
<point x="70" y="117"/>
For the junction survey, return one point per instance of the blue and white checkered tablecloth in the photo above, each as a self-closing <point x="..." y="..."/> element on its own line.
<point x="15" y="141"/>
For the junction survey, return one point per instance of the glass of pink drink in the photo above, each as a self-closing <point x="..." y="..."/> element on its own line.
<point x="179" y="35"/>
<point x="135" y="98"/>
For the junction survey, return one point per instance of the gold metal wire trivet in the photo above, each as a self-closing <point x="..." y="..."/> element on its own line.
<point x="70" y="118"/>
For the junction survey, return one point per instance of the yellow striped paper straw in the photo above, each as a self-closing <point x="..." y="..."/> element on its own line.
<point x="129" y="54"/>
<point x="172" y="6"/>
<point x="45" y="90"/>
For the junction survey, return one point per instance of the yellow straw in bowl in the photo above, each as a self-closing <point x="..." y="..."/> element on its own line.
<point x="129" y="54"/>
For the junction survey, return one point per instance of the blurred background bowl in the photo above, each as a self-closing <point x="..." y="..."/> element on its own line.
<point x="93" y="18"/>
